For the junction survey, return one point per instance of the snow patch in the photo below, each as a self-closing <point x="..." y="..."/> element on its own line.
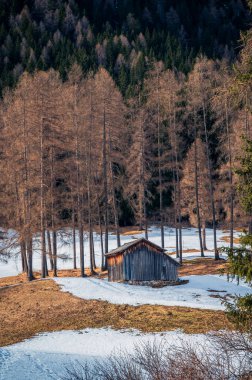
<point x="197" y="293"/>
<point x="47" y="355"/>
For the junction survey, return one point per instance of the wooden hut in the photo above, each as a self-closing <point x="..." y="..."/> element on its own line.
<point x="141" y="260"/>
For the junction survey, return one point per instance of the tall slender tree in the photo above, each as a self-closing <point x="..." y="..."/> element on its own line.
<point x="200" y="82"/>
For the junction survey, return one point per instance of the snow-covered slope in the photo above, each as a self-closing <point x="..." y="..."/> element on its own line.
<point x="46" y="356"/>
<point x="203" y="292"/>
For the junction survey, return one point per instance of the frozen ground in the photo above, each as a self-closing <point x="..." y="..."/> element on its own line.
<point x="46" y="356"/>
<point x="204" y="292"/>
<point x="190" y="242"/>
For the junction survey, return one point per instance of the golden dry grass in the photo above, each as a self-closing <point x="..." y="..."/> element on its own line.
<point x="191" y="250"/>
<point x="240" y="229"/>
<point x="133" y="232"/>
<point x="227" y="239"/>
<point x="22" y="278"/>
<point x="202" y="266"/>
<point x="40" y="306"/>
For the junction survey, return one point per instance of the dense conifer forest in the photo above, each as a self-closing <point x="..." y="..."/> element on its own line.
<point x="123" y="36"/>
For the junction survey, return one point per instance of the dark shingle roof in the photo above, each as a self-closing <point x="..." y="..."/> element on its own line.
<point x="131" y="244"/>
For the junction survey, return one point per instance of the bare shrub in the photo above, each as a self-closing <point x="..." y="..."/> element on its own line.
<point x="222" y="356"/>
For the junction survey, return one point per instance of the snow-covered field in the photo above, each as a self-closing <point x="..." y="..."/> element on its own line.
<point x="190" y="242"/>
<point x="46" y="356"/>
<point x="204" y="292"/>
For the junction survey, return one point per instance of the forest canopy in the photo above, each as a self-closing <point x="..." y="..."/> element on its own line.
<point x="123" y="36"/>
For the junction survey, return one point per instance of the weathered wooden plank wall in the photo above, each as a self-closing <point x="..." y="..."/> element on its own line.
<point x="142" y="265"/>
<point x="115" y="268"/>
<point x="146" y="265"/>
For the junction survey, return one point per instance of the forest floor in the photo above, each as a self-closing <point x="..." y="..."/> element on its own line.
<point x="41" y="306"/>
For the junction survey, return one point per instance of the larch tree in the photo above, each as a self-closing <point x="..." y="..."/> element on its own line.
<point x="200" y="84"/>
<point x="225" y="109"/>
<point x="139" y="165"/>
<point x="109" y="122"/>
<point x="49" y="123"/>
<point x="19" y="135"/>
<point x="75" y="95"/>
<point x="154" y="88"/>
<point x="195" y="189"/>
<point x="171" y="86"/>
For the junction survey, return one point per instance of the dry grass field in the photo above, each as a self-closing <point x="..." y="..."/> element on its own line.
<point x="203" y="266"/>
<point x="39" y="306"/>
<point x="227" y="239"/>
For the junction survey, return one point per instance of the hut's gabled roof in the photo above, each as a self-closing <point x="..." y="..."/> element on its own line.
<point x="128" y="247"/>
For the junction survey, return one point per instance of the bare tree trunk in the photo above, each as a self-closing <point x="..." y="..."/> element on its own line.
<point x="231" y="217"/>
<point x="23" y="257"/>
<point x="30" y="254"/>
<point x="180" y="241"/>
<point x="27" y="210"/>
<point x="145" y="222"/>
<point x="93" y="250"/>
<point x="81" y="238"/>
<point x="197" y="189"/>
<point x="89" y="185"/>
<point x="160" y="175"/>
<point x="46" y="266"/>
<point x="230" y="177"/>
<point x="55" y="253"/>
<point x="74" y="240"/>
<point x="178" y="194"/>
<point x="54" y="233"/>
<point x="116" y="216"/>
<point x="43" y="253"/>
<point x="49" y="243"/>
<point x="142" y="196"/>
<point x="42" y="217"/>
<point x="216" y="253"/>
<point x="79" y="203"/>
<point x="175" y="210"/>
<point x="177" y="242"/>
<point x="118" y="238"/>
<point x="105" y="173"/>
<point x="91" y="247"/>
<point x="117" y="227"/>
<point x="204" y="236"/>
<point x="22" y="229"/>
<point x="140" y="201"/>
<point x="90" y="226"/>
<point x="101" y="236"/>
<point x="29" y="245"/>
